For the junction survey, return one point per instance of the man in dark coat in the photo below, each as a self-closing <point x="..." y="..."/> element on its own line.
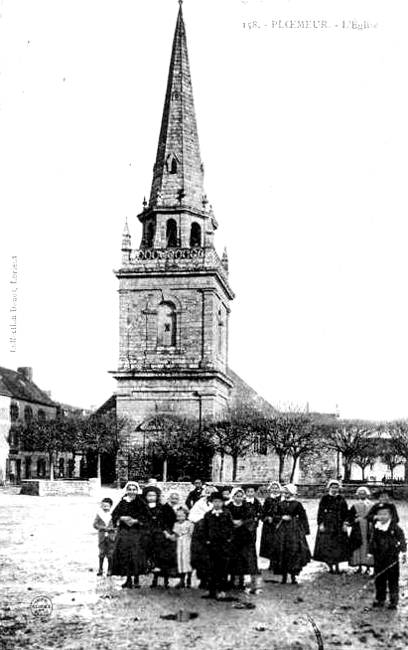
<point x="217" y="531"/>
<point x="386" y="543"/>
<point x="195" y="494"/>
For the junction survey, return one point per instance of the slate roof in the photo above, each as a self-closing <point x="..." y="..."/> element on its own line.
<point x="243" y="395"/>
<point x="3" y="388"/>
<point x="21" y="388"/>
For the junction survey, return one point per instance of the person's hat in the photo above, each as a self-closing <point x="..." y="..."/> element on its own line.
<point x="151" y="488"/>
<point x="216" y="495"/>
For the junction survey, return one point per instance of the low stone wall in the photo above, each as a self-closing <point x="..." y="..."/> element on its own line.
<point x="61" y="487"/>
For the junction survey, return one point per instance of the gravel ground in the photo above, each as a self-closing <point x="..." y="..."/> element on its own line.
<point x="49" y="548"/>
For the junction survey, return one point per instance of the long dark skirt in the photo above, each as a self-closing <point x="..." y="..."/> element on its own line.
<point x="242" y="553"/>
<point x="290" y="548"/>
<point x="129" y="555"/>
<point x="331" y="546"/>
<point x="199" y="552"/>
<point x="164" y="554"/>
<point x="267" y="539"/>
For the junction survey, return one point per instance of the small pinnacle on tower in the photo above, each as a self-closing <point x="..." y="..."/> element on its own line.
<point x="126" y="239"/>
<point x="224" y="260"/>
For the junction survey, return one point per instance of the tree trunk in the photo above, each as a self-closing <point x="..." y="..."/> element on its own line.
<point x="281" y="466"/>
<point x="221" y="466"/>
<point x="98" y="466"/>
<point x="51" y="466"/>
<point x="234" y="467"/>
<point x="392" y="473"/>
<point x="347" y="470"/>
<point x="165" y="470"/>
<point x="362" y="473"/>
<point x="292" y="474"/>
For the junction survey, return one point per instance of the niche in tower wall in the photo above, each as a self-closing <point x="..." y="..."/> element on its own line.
<point x="171" y="233"/>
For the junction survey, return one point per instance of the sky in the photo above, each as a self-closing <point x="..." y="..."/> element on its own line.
<point x="303" y="134"/>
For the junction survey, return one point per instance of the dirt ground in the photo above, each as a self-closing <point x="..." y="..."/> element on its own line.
<point x="49" y="548"/>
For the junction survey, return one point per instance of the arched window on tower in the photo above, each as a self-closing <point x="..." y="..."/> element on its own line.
<point x="173" y="167"/>
<point x="171" y="233"/>
<point x="166" y="325"/>
<point x="195" y="235"/>
<point x="220" y="333"/>
<point x="150" y="232"/>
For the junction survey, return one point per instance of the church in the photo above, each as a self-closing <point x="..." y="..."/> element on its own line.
<point x="174" y="289"/>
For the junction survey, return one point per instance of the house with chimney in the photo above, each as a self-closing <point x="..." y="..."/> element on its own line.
<point x="21" y="403"/>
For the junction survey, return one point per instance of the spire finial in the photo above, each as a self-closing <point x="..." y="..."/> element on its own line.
<point x="180" y="2"/>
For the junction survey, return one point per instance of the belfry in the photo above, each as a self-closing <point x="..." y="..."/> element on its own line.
<point x="174" y="292"/>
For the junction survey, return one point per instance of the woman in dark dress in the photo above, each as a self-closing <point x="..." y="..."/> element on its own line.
<point x="200" y="560"/>
<point x="270" y="520"/>
<point x="162" y="554"/>
<point x="243" y="553"/>
<point x="129" y="555"/>
<point x="332" y="545"/>
<point x="290" y="551"/>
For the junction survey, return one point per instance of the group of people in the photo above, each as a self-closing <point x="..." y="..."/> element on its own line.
<point x="215" y="533"/>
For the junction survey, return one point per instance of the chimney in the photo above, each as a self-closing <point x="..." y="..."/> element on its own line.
<point x="27" y="373"/>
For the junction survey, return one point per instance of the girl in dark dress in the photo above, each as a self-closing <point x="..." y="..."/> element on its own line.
<point x="243" y="553"/>
<point x="162" y="544"/>
<point x="270" y="521"/>
<point x="131" y="516"/>
<point x="331" y="540"/>
<point x="290" y="551"/>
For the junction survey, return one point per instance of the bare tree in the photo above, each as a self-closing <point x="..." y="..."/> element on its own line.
<point x="51" y="436"/>
<point x="182" y="443"/>
<point x="234" y="435"/>
<point x="365" y="455"/>
<point x="350" y="438"/>
<point x="398" y="431"/>
<point x="101" y="433"/>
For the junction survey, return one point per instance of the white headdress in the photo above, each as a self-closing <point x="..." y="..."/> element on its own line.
<point x="291" y="488"/>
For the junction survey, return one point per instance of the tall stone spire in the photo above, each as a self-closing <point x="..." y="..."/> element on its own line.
<point x="178" y="172"/>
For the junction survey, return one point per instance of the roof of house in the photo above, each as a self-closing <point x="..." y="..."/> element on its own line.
<point x="3" y="388"/>
<point x="19" y="387"/>
<point x="243" y="395"/>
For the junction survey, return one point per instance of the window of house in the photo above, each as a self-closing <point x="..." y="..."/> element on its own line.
<point x="41" y="415"/>
<point x="166" y="324"/>
<point x="171" y="233"/>
<point x="195" y="235"/>
<point x="14" y="412"/>
<point x="41" y="468"/>
<point x="28" y="415"/>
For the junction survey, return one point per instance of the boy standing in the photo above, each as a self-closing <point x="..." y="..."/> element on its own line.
<point x="106" y="534"/>
<point x="386" y="543"/>
<point x="217" y="533"/>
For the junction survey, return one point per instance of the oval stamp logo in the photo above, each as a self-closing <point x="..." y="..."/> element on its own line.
<point x="41" y="607"/>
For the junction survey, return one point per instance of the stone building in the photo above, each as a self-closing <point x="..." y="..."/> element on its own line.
<point x="21" y="403"/>
<point x="174" y="291"/>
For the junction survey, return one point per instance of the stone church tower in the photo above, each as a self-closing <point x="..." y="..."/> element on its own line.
<point x="173" y="290"/>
